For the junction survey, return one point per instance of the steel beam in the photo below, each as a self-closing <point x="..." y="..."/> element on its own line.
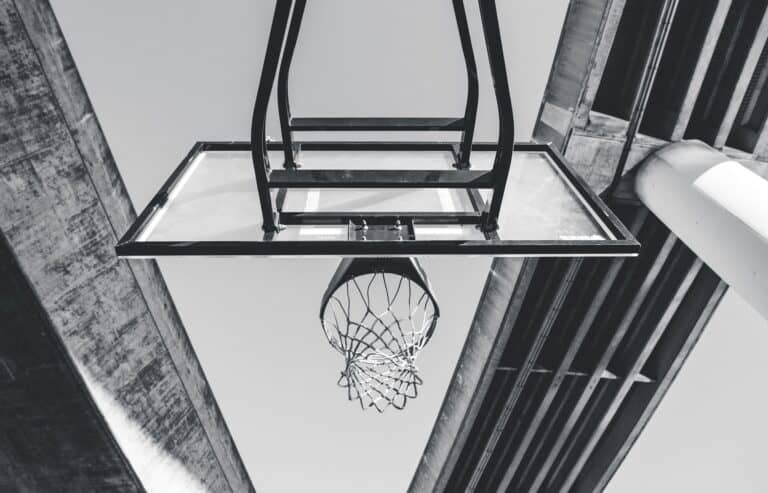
<point x="470" y="110"/>
<point x="506" y="141"/>
<point x="261" y="165"/>
<point x="283" y="99"/>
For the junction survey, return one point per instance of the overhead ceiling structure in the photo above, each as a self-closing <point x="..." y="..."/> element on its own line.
<point x="591" y="349"/>
<point x="585" y="351"/>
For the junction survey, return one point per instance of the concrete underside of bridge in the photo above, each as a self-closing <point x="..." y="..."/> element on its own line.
<point x="575" y="356"/>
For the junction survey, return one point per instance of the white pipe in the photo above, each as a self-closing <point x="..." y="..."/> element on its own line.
<point x="717" y="207"/>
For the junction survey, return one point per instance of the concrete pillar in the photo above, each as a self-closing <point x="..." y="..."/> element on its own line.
<point x="717" y="207"/>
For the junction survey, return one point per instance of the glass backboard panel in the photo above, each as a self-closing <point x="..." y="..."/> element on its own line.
<point x="211" y="203"/>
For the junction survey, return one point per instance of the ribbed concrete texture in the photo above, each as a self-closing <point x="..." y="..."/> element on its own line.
<point x="62" y="206"/>
<point x="594" y="347"/>
<point x="679" y="50"/>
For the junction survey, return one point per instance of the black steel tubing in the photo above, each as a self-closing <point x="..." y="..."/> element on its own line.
<point x="376" y="124"/>
<point x="492" y="34"/>
<point x="283" y="99"/>
<point x="466" y="125"/>
<point x="259" y="122"/>
<point x="640" y="102"/>
<point x="381" y="178"/>
<point x="470" y="112"/>
<point x="503" y="160"/>
<point x="389" y="218"/>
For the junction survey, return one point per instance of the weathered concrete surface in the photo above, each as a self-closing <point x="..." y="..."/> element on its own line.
<point x="737" y="96"/>
<point x="611" y="17"/>
<point x="702" y="64"/>
<point x="592" y="141"/>
<point x="52" y="437"/>
<point x="62" y="207"/>
<point x="573" y="66"/>
<point x="502" y="296"/>
<point x="594" y="152"/>
<point x="585" y="149"/>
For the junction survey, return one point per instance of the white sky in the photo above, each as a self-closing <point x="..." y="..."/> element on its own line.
<point x="162" y="75"/>
<point x="709" y="433"/>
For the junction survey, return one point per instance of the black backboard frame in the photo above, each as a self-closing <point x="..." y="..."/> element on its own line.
<point x="623" y="243"/>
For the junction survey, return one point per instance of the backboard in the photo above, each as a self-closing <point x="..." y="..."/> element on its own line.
<point x="382" y="200"/>
<point x="210" y="205"/>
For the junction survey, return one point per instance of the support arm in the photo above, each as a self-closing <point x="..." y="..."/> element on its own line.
<point x="503" y="160"/>
<point x="470" y="112"/>
<point x="259" y="123"/>
<point x="283" y="99"/>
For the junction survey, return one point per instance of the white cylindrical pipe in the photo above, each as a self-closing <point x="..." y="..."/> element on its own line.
<point x="717" y="207"/>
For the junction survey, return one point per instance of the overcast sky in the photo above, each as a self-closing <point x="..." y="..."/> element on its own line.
<point x="162" y="75"/>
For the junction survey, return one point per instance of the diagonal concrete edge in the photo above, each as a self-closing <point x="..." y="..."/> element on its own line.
<point x="502" y="296"/>
<point x="62" y="207"/>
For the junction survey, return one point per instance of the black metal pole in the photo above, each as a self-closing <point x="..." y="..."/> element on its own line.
<point x="503" y="160"/>
<point x="283" y="100"/>
<point x="259" y="122"/>
<point x="640" y="102"/>
<point x="470" y="112"/>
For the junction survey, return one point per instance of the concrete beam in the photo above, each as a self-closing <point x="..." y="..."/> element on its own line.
<point x="584" y="45"/>
<point x="760" y="152"/>
<point x="559" y="376"/>
<point x="596" y="156"/>
<point x="702" y="65"/>
<point x="737" y="96"/>
<point x="636" y="365"/>
<point x="62" y="207"/>
<point x="52" y="435"/>
<point x="761" y="146"/>
<point x="542" y="330"/>
<point x="504" y="292"/>
<point x="602" y="51"/>
<point x="678" y="342"/>
<point x="552" y="458"/>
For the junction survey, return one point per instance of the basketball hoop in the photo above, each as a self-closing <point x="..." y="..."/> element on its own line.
<point x="379" y="314"/>
<point x="347" y="201"/>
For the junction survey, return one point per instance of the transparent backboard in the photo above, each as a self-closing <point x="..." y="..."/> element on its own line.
<point x="210" y="206"/>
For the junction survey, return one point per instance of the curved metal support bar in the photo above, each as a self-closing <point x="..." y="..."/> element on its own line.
<point x="259" y="122"/>
<point x="503" y="160"/>
<point x="283" y="101"/>
<point x="470" y="112"/>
